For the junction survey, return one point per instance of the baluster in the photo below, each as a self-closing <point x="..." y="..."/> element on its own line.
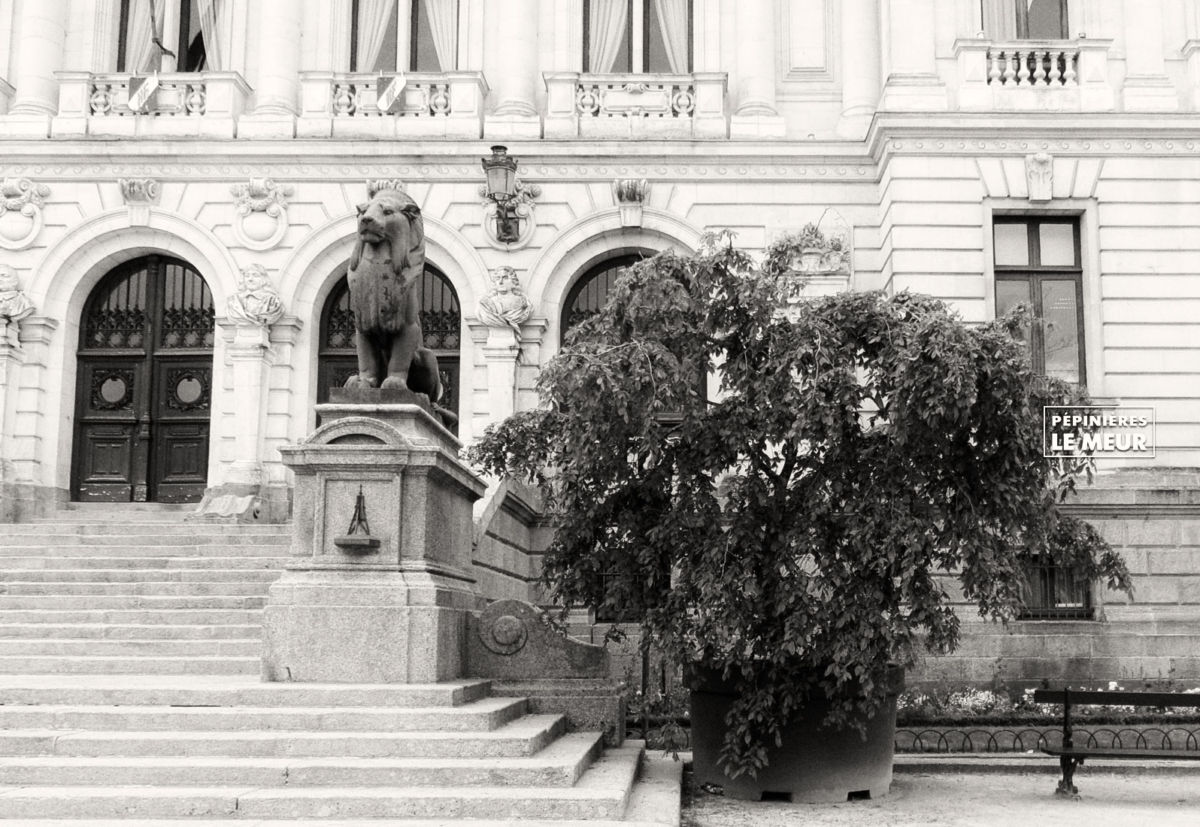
<point x="1010" y="72"/>
<point x="1069" y="59"/>
<point x="1023" y="68"/>
<point x="1055" y="72"/>
<point x="994" y="73"/>
<point x="1039" y="58"/>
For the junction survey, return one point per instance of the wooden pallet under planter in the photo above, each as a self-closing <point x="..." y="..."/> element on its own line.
<point x="814" y="763"/>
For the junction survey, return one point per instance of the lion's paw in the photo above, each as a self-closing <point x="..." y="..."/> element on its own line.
<point x="394" y="382"/>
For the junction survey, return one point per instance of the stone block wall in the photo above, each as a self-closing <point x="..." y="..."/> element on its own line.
<point x="508" y="543"/>
<point x="1152" y="517"/>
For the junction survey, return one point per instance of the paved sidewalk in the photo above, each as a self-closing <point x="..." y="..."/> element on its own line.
<point x="1021" y="797"/>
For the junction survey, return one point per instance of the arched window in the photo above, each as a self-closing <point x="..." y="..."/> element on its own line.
<point x="440" y="326"/>
<point x="144" y="391"/>
<point x="637" y="36"/>
<point x="384" y="31"/>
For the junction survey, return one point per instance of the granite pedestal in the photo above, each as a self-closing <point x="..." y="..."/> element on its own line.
<point x="379" y="588"/>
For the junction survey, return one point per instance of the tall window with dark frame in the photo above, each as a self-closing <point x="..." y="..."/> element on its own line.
<point x="432" y="35"/>
<point x="1037" y="264"/>
<point x="1025" y="19"/>
<point x="143" y="38"/>
<point x="637" y="36"/>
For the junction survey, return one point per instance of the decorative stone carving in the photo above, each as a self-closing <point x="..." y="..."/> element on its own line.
<point x="21" y="203"/>
<point x="516" y="641"/>
<point x="256" y="302"/>
<point x="630" y="194"/>
<point x="1039" y="172"/>
<point x="520" y="209"/>
<point x="14" y="304"/>
<point x="820" y="252"/>
<point x="260" y="218"/>
<point x="138" y="191"/>
<point x="383" y="184"/>
<point x="505" y="304"/>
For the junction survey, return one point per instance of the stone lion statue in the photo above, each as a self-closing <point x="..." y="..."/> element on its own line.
<point x="385" y="267"/>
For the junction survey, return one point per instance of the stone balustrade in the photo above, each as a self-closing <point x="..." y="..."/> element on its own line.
<point x="636" y="106"/>
<point x="188" y="104"/>
<point x="1034" y="75"/>
<point x="414" y="104"/>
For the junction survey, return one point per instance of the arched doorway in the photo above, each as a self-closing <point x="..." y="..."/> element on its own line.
<point x="440" y="325"/>
<point x="588" y="295"/>
<point x="144" y="392"/>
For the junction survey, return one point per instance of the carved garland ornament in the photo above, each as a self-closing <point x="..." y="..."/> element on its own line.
<point x="21" y="219"/>
<point x="260" y="212"/>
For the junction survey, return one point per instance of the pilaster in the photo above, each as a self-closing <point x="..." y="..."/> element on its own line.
<point x="277" y="86"/>
<point x="860" y="67"/>
<point x="755" y="114"/>
<point x="1147" y="87"/>
<point x="913" y="83"/>
<point x="512" y="71"/>
<point x="39" y="54"/>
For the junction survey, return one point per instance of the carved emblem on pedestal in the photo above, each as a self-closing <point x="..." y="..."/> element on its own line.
<point x="256" y="302"/>
<point x="21" y="203"/>
<point x="260" y="218"/>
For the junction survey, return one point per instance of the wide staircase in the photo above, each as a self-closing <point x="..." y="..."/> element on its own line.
<point x="129" y="690"/>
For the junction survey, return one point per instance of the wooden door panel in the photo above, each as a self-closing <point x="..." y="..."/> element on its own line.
<point x="108" y="416"/>
<point x="183" y="400"/>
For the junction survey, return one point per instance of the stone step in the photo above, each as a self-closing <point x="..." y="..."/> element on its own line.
<point x="232" y="690"/>
<point x="154" y="617"/>
<point x="143" y="564"/>
<point x="142" y="632"/>
<point x="249" y="647"/>
<point x="482" y="715"/>
<point x="558" y="765"/>
<point x="20" y="535"/>
<point x="138" y="575"/>
<point x="132" y="601"/>
<point x="157" y="588"/>
<point x="252" y="551"/>
<point x="602" y="793"/>
<point x="116" y="665"/>
<point x="520" y="738"/>
<point x="145" y="511"/>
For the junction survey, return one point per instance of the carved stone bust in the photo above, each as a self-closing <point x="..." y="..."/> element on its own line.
<point x="14" y="304"/>
<point x="256" y="301"/>
<point x="505" y="305"/>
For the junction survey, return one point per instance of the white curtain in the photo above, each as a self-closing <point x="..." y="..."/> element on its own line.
<point x="606" y="31"/>
<point x="216" y="24"/>
<point x="673" y="22"/>
<point x="1000" y="18"/>
<point x="373" y="32"/>
<point x="443" y="22"/>
<point x="141" y="55"/>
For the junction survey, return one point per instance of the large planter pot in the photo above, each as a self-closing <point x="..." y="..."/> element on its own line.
<point x="814" y="763"/>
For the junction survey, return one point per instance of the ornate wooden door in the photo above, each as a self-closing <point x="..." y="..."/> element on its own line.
<point x="144" y="385"/>
<point x="440" y="325"/>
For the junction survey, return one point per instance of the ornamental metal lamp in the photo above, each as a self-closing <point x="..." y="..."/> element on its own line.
<point x="501" y="172"/>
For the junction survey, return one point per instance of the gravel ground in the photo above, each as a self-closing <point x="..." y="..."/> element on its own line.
<point x="967" y="800"/>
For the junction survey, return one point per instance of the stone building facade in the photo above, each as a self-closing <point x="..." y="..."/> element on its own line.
<point x="178" y="183"/>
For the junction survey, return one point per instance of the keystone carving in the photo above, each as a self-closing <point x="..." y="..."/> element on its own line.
<point x="1039" y="172"/>
<point x="139" y="190"/>
<point x="383" y="184"/>
<point x="630" y="194"/>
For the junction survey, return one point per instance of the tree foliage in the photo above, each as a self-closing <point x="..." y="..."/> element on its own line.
<point x="792" y="531"/>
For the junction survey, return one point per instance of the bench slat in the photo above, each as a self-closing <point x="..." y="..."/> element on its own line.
<point x="1087" y="697"/>
<point x="1105" y="752"/>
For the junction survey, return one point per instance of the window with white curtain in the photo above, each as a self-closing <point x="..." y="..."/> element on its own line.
<point x="637" y="36"/>
<point x="174" y="35"/>
<point x="427" y="28"/>
<point x="1025" y="19"/>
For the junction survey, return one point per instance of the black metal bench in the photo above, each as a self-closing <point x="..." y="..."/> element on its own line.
<point x="1071" y="756"/>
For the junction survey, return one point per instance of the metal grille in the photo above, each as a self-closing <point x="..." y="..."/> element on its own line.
<point x="188" y="317"/>
<point x="1055" y="593"/>
<point x="590" y="293"/>
<point x="116" y="315"/>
